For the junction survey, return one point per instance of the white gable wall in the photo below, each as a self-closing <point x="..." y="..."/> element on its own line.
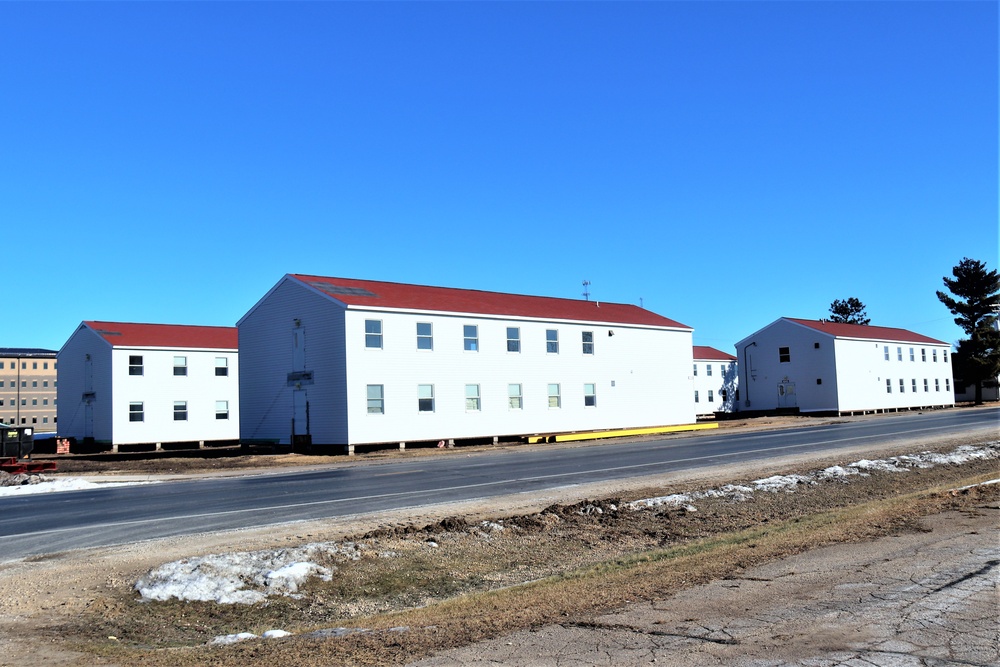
<point x="267" y="349"/>
<point x="761" y="370"/>
<point x="77" y="377"/>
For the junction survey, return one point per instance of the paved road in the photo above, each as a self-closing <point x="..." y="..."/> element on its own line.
<point x="49" y="523"/>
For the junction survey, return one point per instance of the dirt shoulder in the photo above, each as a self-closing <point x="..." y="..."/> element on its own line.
<point x="61" y="609"/>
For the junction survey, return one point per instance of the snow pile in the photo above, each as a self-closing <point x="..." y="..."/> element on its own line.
<point x="243" y="577"/>
<point x="42" y="484"/>
<point x="789" y="483"/>
<point x="223" y="640"/>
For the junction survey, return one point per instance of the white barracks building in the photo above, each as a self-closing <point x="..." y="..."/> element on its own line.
<point x="335" y="361"/>
<point x="816" y="366"/>
<point x="127" y="384"/>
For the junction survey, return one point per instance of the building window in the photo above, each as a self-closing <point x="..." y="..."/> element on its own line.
<point x="818" y="381"/>
<point x="45" y="383"/>
<point x="376" y="399"/>
<point x="711" y="396"/>
<point x="513" y="339"/>
<point x="947" y="384"/>
<point x="937" y="384"/>
<point x="222" y="409"/>
<point x="696" y="370"/>
<point x="425" y="336"/>
<point x="590" y="395"/>
<point x="45" y="420"/>
<point x="914" y="385"/>
<point x="135" y="366"/>
<point x="899" y="354"/>
<point x="180" y="411"/>
<point x="514" y="396"/>
<point x="588" y="342"/>
<point x="934" y="356"/>
<point x="471" y="334"/>
<point x="552" y="341"/>
<point x="135" y="412"/>
<point x="180" y="366"/>
<point x="34" y="401"/>
<point x="373" y="333"/>
<point x="425" y="398"/>
<point x="221" y="366"/>
<point x="912" y="355"/>
<point x="886" y="350"/>
<point x="708" y="370"/>
<point x="45" y="365"/>
<point x="472" y="397"/>
<point x="923" y="354"/>
<point x="34" y="383"/>
<point x="944" y="356"/>
<point x="34" y="365"/>
<point x="926" y="386"/>
<point x="697" y="398"/>
<point x="888" y="386"/>
<point x="785" y="355"/>
<point x="554" y="398"/>
<point x="902" y="386"/>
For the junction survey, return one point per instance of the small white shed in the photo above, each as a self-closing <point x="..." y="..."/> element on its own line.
<point x="337" y="361"/>
<point x="816" y="366"/>
<point x="123" y="383"/>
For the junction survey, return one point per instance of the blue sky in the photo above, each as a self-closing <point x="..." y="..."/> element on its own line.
<point x="725" y="163"/>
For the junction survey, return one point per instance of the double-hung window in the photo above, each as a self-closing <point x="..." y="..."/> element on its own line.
<point x="222" y="409"/>
<point x="471" y="337"/>
<point x="590" y="395"/>
<point x="888" y="386"/>
<point x="711" y="396"/>
<point x="514" y="396"/>
<point x="425" y="398"/>
<point x="180" y="366"/>
<point x="552" y="341"/>
<point x="588" y="342"/>
<point x="899" y="354"/>
<point x="708" y="371"/>
<point x="373" y="334"/>
<point x="912" y="356"/>
<point x="513" y="339"/>
<point x="135" y="365"/>
<point x="472" y="403"/>
<point x="425" y="336"/>
<point x="914" y="385"/>
<point x="180" y="411"/>
<point x="555" y="400"/>
<point x="696" y="370"/>
<point x="886" y="349"/>
<point x="926" y="386"/>
<point x="135" y="412"/>
<point x="902" y="386"/>
<point x="934" y="356"/>
<point x="221" y="366"/>
<point x="696" y="397"/>
<point x="376" y="399"/>
<point x="785" y="355"/>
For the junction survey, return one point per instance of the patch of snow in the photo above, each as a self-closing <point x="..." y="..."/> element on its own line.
<point x="223" y="640"/>
<point x="276" y="634"/>
<point x="778" y="483"/>
<point x="62" y="484"/>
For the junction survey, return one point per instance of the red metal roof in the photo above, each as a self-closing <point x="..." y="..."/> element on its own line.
<point x="447" y="299"/>
<point x="129" y="334"/>
<point x="866" y="332"/>
<point x="711" y="354"/>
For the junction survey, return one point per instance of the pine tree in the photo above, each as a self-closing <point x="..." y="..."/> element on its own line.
<point x="851" y="311"/>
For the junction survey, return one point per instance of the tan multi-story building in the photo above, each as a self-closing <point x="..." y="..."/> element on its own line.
<point x="28" y="388"/>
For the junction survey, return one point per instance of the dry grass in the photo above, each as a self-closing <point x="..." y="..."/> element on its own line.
<point x="558" y="565"/>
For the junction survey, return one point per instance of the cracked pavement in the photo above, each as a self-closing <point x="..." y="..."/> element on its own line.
<point x="928" y="599"/>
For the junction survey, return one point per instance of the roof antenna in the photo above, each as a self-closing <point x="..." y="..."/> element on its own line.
<point x="640" y="302"/>
<point x="586" y="290"/>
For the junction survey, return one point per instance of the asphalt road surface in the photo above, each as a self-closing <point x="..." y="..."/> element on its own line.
<point x="49" y="523"/>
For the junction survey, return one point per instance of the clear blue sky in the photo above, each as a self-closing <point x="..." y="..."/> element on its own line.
<point x="727" y="163"/>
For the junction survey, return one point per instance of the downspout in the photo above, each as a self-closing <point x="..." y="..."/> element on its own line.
<point x="746" y="365"/>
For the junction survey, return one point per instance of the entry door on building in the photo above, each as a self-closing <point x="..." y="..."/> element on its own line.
<point x="786" y="395"/>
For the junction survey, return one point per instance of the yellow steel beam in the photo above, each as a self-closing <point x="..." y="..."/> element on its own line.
<point x="594" y="435"/>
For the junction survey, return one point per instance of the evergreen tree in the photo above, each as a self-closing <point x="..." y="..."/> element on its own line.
<point x="851" y="311"/>
<point x="975" y="302"/>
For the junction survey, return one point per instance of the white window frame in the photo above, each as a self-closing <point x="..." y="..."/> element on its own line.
<point x="180" y="366"/>
<point x="589" y="395"/>
<point x="587" y="339"/>
<point x="552" y="341"/>
<point x="473" y="401"/>
<point x="888" y="386"/>
<point x="221" y="367"/>
<point x="134" y="367"/>
<point x="375" y="394"/>
<point x="222" y="409"/>
<point x="425" y="392"/>
<point x="373" y="334"/>
<point x="554" y="396"/>
<point x="515" y="397"/>
<point x="425" y="341"/>
<point x="696" y="370"/>
<point x="180" y="411"/>
<point x="136" y="412"/>
<point x="708" y="373"/>
<point x="470" y="339"/>
<point x="514" y="342"/>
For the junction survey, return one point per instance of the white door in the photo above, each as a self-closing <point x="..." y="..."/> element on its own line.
<point x="786" y="395"/>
